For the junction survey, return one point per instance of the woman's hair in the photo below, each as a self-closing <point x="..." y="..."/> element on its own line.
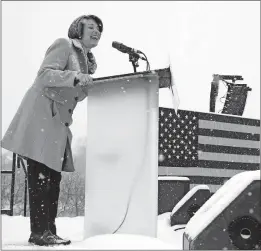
<point x="76" y="28"/>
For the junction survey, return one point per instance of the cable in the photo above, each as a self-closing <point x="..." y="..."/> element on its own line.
<point x="135" y="178"/>
<point x="142" y="163"/>
<point x="224" y="94"/>
<point x="179" y="228"/>
<point x="134" y="181"/>
<point x="148" y="64"/>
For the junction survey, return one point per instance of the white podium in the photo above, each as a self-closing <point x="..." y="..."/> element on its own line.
<point x="121" y="188"/>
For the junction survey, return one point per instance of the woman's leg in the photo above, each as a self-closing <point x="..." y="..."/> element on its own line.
<point x="39" y="200"/>
<point x="44" y="189"/>
<point x="54" y="197"/>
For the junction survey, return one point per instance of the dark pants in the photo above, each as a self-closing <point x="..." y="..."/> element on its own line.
<point x="44" y="189"/>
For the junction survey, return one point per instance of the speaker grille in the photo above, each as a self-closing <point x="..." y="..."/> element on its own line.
<point x="245" y="233"/>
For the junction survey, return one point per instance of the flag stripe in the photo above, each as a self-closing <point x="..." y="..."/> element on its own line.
<point x="197" y="171"/>
<point x="207" y="180"/>
<point x="229" y="149"/>
<point x="228" y="142"/>
<point x="214" y="125"/>
<point x="204" y="180"/>
<point x="229" y="119"/>
<point x="228" y="165"/>
<point x="207" y="164"/>
<point x="228" y="134"/>
<point x="228" y="157"/>
<point x="177" y="162"/>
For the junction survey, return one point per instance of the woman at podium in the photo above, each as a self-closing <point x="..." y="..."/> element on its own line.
<point x="39" y="131"/>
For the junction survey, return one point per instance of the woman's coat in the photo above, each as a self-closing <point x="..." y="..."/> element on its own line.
<point x="40" y="128"/>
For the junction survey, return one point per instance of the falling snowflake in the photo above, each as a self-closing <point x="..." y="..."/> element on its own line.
<point x="251" y="210"/>
<point x="161" y="157"/>
<point x="42" y="130"/>
<point x="249" y="194"/>
<point x="41" y="176"/>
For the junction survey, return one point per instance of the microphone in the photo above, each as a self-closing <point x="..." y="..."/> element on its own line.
<point x="125" y="49"/>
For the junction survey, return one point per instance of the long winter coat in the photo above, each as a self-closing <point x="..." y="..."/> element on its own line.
<point x="40" y="128"/>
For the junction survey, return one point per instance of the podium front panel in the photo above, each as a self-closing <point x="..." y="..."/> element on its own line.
<point x="121" y="193"/>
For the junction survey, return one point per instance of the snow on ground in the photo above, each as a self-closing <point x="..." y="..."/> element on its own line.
<point x="16" y="231"/>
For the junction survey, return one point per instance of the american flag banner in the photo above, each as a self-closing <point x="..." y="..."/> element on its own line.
<point x="205" y="147"/>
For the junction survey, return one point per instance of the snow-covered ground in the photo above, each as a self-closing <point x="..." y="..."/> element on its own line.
<point x="16" y="231"/>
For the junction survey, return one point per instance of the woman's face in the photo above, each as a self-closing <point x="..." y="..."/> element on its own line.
<point x="91" y="34"/>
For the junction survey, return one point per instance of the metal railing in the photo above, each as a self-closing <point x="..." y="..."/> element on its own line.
<point x="17" y="162"/>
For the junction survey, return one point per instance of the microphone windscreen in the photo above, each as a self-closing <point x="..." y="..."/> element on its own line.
<point x="115" y="44"/>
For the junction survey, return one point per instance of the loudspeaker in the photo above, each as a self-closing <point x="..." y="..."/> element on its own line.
<point x="189" y="205"/>
<point x="236" y="99"/>
<point x="230" y="219"/>
<point x="214" y="93"/>
<point x="170" y="190"/>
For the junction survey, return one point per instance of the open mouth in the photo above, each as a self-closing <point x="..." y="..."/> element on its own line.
<point x="95" y="38"/>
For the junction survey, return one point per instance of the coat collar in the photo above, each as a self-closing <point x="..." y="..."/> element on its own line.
<point x="83" y="58"/>
<point x="78" y="45"/>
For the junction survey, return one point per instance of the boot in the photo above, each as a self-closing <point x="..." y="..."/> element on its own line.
<point x="53" y="230"/>
<point x="47" y="239"/>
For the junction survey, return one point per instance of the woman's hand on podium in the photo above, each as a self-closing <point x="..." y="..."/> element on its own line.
<point x="84" y="79"/>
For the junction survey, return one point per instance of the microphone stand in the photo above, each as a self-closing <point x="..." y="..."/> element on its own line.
<point x="133" y="58"/>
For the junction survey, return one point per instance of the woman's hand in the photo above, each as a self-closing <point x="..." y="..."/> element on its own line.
<point x="84" y="79"/>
